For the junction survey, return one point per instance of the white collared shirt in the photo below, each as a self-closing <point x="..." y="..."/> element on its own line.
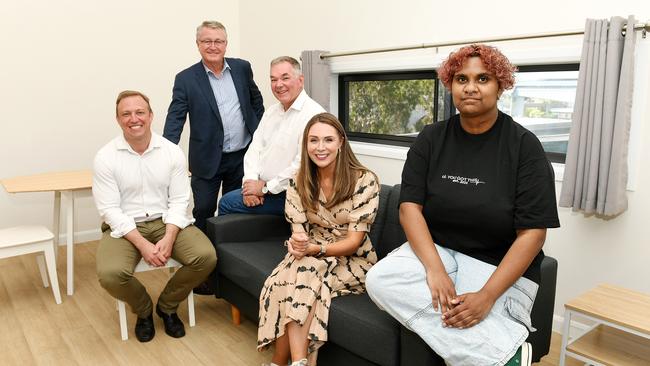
<point x="129" y="187"/>
<point x="274" y="154"/>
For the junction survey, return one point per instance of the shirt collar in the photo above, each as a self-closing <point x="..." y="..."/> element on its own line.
<point x="225" y="67"/>
<point x="300" y="101"/>
<point x="122" y="144"/>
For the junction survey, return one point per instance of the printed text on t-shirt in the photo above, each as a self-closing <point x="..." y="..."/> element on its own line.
<point x="462" y="180"/>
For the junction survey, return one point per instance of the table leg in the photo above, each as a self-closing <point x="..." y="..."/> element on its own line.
<point x="56" y="221"/>
<point x="70" y="240"/>
<point x="565" y="336"/>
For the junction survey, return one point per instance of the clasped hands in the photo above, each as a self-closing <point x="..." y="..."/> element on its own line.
<point x="252" y="194"/>
<point x="458" y="311"/>
<point x="298" y="245"/>
<point x="158" y="254"/>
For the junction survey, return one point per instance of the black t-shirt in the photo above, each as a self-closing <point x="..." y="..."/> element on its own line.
<point x="476" y="190"/>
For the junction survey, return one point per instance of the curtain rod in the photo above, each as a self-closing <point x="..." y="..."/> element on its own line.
<point x="640" y="26"/>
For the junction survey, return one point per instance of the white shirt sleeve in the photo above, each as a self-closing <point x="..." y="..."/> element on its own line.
<point x="280" y="182"/>
<point x="179" y="192"/>
<point x="252" y="158"/>
<point x="107" y="199"/>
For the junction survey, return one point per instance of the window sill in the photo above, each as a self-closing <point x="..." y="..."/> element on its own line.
<point x="379" y="150"/>
<point x="399" y="153"/>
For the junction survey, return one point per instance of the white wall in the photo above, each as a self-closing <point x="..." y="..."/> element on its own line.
<point x="64" y="62"/>
<point x="589" y="250"/>
<point x="62" y="65"/>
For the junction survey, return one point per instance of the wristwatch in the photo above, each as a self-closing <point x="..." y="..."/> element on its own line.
<point x="265" y="189"/>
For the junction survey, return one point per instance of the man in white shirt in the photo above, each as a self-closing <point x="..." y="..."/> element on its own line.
<point x="142" y="193"/>
<point x="273" y="156"/>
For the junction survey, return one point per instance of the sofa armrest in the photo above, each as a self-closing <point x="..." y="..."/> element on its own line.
<point x="246" y="227"/>
<point x="542" y="313"/>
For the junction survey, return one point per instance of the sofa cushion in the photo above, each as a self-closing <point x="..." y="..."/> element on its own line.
<point x="248" y="264"/>
<point x="392" y="235"/>
<point x="357" y="325"/>
<point x="378" y="225"/>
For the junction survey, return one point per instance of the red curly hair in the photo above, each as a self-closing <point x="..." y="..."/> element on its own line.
<point x="494" y="61"/>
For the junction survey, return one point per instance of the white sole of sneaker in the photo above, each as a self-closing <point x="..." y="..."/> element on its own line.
<point x="526" y="354"/>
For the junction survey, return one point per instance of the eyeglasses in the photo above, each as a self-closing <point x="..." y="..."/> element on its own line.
<point x="209" y="42"/>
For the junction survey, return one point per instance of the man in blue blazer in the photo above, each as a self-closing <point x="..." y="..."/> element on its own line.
<point x="224" y="107"/>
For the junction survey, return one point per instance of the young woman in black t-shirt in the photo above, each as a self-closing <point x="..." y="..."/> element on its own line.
<point x="477" y="196"/>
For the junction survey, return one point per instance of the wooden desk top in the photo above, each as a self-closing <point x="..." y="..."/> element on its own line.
<point x="615" y="304"/>
<point x="54" y="181"/>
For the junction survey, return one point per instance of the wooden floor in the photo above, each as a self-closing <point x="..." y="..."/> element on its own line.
<point x="84" y="329"/>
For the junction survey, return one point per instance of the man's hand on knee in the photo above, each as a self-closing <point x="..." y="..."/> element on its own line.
<point x="252" y="200"/>
<point x="253" y="187"/>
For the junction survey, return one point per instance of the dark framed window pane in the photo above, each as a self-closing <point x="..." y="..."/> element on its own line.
<point x="392" y="107"/>
<point x="542" y="101"/>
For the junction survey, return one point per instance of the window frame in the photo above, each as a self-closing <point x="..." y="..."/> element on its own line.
<point x="553" y="157"/>
<point x="344" y="108"/>
<point x="420" y="74"/>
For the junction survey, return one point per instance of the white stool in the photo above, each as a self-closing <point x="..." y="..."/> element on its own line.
<point x="143" y="267"/>
<point x="21" y="240"/>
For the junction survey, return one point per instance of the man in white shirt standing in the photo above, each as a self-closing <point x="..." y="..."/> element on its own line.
<point x="273" y="156"/>
<point x="142" y="193"/>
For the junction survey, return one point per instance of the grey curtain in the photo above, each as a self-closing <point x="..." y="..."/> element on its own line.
<point x="595" y="174"/>
<point x="317" y="77"/>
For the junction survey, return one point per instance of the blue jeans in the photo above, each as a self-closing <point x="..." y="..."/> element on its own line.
<point x="398" y="285"/>
<point x="233" y="202"/>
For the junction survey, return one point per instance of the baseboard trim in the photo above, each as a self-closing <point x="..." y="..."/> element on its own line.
<point x="576" y="327"/>
<point x="81" y="236"/>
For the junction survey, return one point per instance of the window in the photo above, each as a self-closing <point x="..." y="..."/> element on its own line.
<point x="392" y="108"/>
<point x="542" y="101"/>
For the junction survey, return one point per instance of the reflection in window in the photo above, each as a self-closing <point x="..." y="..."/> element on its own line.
<point x="542" y="101"/>
<point x="393" y="107"/>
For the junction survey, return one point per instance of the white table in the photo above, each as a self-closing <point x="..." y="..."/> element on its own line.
<point x="65" y="183"/>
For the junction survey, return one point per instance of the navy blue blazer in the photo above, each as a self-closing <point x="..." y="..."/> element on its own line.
<point x="193" y="95"/>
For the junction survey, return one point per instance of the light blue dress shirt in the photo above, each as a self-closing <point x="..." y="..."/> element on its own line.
<point x="235" y="133"/>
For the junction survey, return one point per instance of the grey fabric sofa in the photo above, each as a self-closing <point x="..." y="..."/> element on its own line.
<point x="250" y="246"/>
